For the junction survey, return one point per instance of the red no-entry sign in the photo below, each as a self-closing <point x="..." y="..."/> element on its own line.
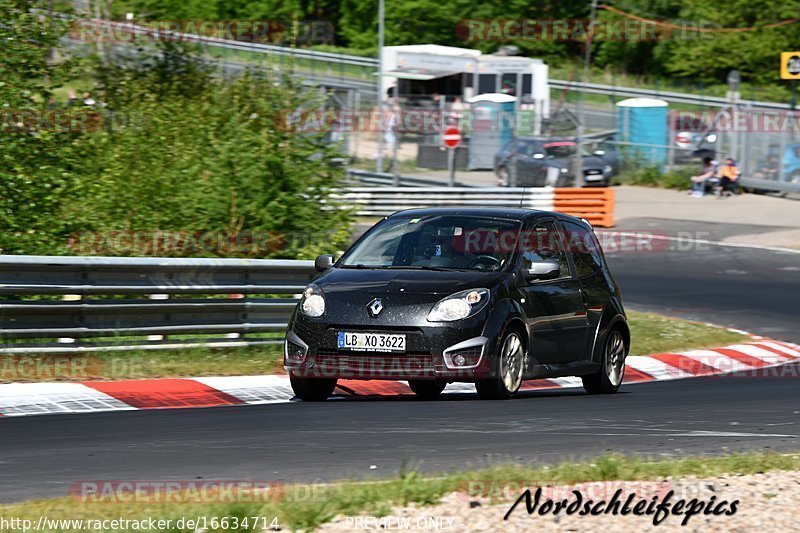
<point x="452" y="137"/>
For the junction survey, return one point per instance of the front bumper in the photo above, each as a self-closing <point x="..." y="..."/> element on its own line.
<point x="446" y="352"/>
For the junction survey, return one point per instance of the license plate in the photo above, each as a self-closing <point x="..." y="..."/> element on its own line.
<point x="371" y="342"/>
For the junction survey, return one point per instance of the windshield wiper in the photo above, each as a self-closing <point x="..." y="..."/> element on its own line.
<point x="426" y="267"/>
<point x="407" y="267"/>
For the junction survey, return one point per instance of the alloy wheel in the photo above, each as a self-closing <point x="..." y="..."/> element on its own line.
<point x="615" y="358"/>
<point x="511" y="363"/>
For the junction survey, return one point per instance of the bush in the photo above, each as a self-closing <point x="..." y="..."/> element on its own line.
<point x="653" y="176"/>
<point x="197" y="164"/>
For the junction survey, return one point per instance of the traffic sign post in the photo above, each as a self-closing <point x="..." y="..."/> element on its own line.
<point x="790" y="65"/>
<point x="451" y="140"/>
<point x="790" y="70"/>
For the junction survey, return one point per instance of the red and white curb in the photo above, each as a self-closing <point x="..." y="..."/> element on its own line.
<point x="23" y="399"/>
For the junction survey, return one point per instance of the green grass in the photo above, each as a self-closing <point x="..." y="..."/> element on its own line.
<point x="307" y="506"/>
<point x="650" y="333"/>
<point x="143" y="364"/>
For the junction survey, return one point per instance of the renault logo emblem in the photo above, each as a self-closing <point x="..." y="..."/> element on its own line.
<point x="375" y="307"/>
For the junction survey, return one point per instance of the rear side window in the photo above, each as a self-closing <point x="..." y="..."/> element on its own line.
<point x="585" y="249"/>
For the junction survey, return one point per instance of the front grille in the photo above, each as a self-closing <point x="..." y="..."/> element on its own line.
<point x="304" y="331"/>
<point x="475" y="351"/>
<point x="375" y="363"/>
<point x="468" y="357"/>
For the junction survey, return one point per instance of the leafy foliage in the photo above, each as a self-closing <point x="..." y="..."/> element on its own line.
<point x="682" y="54"/>
<point x="182" y="152"/>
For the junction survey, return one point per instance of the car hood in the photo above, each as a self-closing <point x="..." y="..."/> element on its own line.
<point x="398" y="281"/>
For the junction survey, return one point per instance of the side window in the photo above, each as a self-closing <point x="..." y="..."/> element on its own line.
<point x="585" y="249"/>
<point x="542" y="243"/>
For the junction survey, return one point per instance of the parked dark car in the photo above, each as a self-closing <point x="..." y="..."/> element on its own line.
<point x="441" y="295"/>
<point x="542" y="162"/>
<point x="694" y="138"/>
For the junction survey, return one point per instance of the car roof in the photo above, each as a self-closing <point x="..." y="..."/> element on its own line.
<point x="510" y="213"/>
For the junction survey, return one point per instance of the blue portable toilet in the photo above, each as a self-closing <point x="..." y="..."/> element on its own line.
<point x="492" y="127"/>
<point x="644" y="121"/>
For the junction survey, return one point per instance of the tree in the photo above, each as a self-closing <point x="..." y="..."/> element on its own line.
<point x="36" y="157"/>
<point x="200" y="154"/>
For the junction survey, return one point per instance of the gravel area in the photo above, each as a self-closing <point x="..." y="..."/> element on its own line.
<point x="767" y="502"/>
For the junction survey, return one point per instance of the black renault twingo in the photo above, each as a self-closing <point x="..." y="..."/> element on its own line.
<point x="441" y="295"/>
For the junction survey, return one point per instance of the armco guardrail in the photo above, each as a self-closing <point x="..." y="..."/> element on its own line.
<point x="370" y="178"/>
<point x="594" y="204"/>
<point x="617" y="91"/>
<point x="163" y="300"/>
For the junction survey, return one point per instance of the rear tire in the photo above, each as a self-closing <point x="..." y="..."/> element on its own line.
<point x="612" y="371"/>
<point x="510" y="364"/>
<point x="312" y="389"/>
<point x="427" y="389"/>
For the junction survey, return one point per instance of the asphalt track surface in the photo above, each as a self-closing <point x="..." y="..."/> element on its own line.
<point x="750" y="289"/>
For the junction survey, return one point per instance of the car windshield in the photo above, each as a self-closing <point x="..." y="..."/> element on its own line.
<point x="561" y="150"/>
<point x="436" y="242"/>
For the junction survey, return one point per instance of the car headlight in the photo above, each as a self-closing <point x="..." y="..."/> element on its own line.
<point x="608" y="169"/>
<point x="712" y="138"/>
<point x="313" y="302"/>
<point x="459" y="305"/>
<point x="564" y="170"/>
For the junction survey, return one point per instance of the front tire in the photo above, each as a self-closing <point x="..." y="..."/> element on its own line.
<point x="503" y="177"/>
<point x="508" y="373"/>
<point x="612" y="371"/>
<point x="312" y="389"/>
<point x="427" y="389"/>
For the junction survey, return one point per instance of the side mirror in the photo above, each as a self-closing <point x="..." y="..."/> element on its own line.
<point x="543" y="270"/>
<point x="599" y="152"/>
<point x="323" y="262"/>
<point x="538" y="156"/>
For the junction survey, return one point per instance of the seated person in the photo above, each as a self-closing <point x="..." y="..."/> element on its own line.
<point x="699" y="181"/>
<point x="729" y="178"/>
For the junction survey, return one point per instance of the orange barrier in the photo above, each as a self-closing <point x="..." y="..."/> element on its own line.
<point x="595" y="205"/>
